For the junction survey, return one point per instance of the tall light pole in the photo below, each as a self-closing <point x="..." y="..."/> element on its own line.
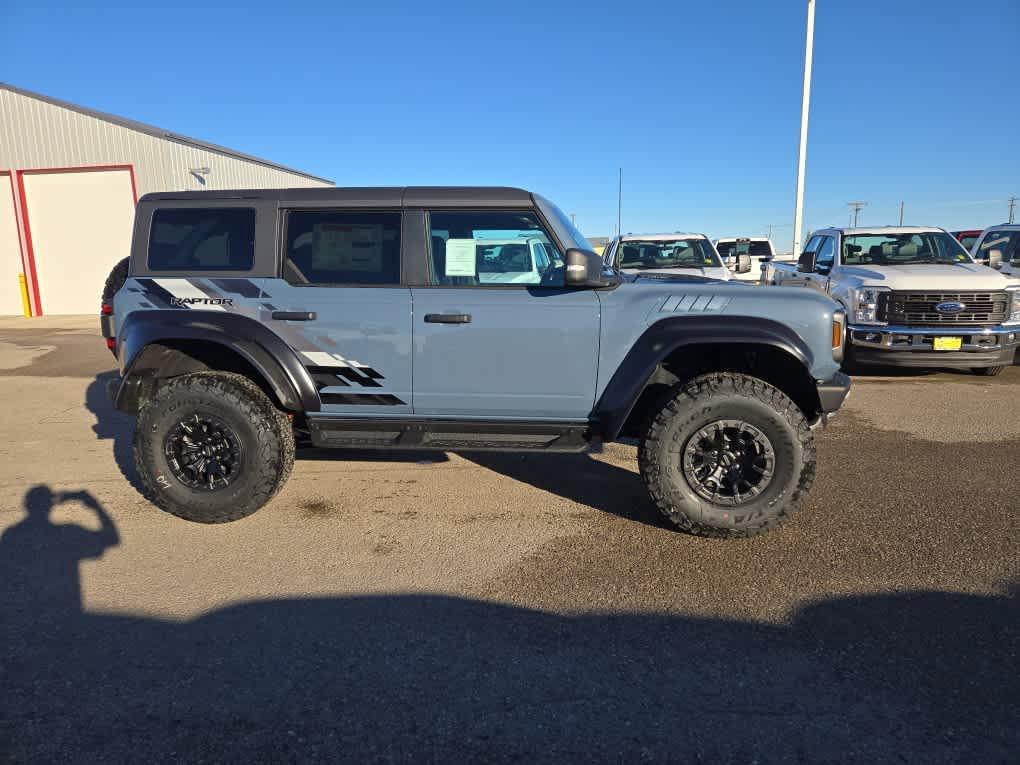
<point x="1012" y="204"/>
<point x="619" y="204"/>
<point x="798" y="215"/>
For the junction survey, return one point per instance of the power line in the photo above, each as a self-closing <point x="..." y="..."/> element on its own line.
<point x="856" y="207"/>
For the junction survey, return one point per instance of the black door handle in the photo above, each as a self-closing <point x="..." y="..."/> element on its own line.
<point x="294" y="315"/>
<point x="447" y="318"/>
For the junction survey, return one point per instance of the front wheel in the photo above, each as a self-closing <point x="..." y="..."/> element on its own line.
<point x="210" y="447"/>
<point x="987" y="371"/>
<point x="727" y="455"/>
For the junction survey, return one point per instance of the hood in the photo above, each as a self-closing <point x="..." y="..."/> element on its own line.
<point x="929" y="276"/>
<point x="654" y="275"/>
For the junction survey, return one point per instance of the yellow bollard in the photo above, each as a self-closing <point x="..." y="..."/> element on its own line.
<point x="26" y="305"/>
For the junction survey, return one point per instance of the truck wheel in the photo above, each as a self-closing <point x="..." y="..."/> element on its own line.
<point x="987" y="371"/>
<point x="727" y="455"/>
<point x="210" y="447"/>
<point x="115" y="281"/>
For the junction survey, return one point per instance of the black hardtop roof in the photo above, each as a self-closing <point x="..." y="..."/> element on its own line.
<point x="393" y="196"/>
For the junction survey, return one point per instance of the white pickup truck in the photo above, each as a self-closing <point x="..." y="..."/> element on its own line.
<point x="913" y="296"/>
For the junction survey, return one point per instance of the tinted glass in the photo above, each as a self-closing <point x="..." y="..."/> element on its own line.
<point x="1006" y="242"/>
<point x="675" y="253"/>
<point x="754" y="249"/>
<point x="325" y="247"/>
<point x="826" y="252"/>
<point x="193" y="239"/>
<point x="491" y="248"/>
<point x="902" y="249"/>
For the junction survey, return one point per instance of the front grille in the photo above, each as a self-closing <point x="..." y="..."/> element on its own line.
<point x="918" y="308"/>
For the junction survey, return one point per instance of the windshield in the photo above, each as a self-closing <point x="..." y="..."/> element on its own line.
<point x="563" y="222"/>
<point x="902" y="249"/>
<point x="674" y="253"/>
<point x="967" y="240"/>
<point x="758" y="249"/>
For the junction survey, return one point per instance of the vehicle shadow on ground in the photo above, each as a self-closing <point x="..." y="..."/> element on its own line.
<point x="114" y="426"/>
<point x="578" y="478"/>
<point x="919" y="676"/>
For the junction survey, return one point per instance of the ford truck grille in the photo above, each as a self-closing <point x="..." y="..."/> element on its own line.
<point x="918" y="308"/>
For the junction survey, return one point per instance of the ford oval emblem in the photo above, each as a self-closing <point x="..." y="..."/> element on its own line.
<point x="950" y="306"/>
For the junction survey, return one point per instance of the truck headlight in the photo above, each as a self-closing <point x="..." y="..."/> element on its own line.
<point x="865" y="305"/>
<point x="1014" y="306"/>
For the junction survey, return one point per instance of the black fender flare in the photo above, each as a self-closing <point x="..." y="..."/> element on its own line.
<point x="669" y="334"/>
<point x="278" y="363"/>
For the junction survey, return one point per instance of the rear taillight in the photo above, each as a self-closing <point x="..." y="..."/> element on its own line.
<point x="111" y="343"/>
<point x="106" y="309"/>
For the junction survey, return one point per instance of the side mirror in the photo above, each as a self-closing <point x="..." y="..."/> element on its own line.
<point x="806" y="262"/>
<point x="583" y="269"/>
<point x="743" y="263"/>
<point x="995" y="259"/>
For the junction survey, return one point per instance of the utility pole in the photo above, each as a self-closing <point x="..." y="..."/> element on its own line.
<point x="770" y="232"/>
<point x="573" y="220"/>
<point x="856" y="207"/>
<point x="619" y="204"/>
<point x="798" y="211"/>
<point x="901" y="213"/>
<point x="1012" y="204"/>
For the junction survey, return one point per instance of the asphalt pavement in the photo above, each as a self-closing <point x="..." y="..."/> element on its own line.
<point x="427" y="607"/>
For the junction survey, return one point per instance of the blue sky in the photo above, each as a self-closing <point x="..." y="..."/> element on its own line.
<point x="698" y="102"/>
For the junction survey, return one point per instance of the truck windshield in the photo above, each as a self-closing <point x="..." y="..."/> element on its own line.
<point x="759" y="249"/>
<point x="675" y="253"/>
<point x="563" y="224"/>
<point x="902" y="249"/>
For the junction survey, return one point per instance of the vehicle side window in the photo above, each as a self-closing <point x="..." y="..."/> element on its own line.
<point x="813" y="244"/>
<point x="492" y="248"/>
<point x="826" y="254"/>
<point x="196" y="239"/>
<point x="1005" y="242"/>
<point x="332" y="247"/>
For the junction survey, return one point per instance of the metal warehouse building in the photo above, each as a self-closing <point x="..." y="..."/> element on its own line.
<point x="69" y="180"/>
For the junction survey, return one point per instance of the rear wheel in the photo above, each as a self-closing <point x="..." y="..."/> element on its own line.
<point x="210" y="447"/>
<point x="987" y="371"/>
<point x="727" y="455"/>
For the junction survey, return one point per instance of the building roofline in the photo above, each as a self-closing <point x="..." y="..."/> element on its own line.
<point x="158" y="132"/>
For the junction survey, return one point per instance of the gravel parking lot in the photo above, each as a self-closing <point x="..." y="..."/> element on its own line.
<point x="391" y="606"/>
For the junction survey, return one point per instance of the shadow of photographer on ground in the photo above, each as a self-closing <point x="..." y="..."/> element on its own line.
<point x="39" y="559"/>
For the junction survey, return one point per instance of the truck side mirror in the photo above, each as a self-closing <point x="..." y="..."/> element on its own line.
<point x="995" y="259"/>
<point x="743" y="263"/>
<point x="806" y="262"/>
<point x="583" y="268"/>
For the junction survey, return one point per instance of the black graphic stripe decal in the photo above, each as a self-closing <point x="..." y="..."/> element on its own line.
<point x="370" y="399"/>
<point x="344" y="376"/>
<point x="326" y="380"/>
<point x="354" y="376"/>
<point x="242" y="287"/>
<point x="158" y="296"/>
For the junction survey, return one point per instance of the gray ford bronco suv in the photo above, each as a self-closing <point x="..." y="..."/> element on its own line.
<point x="453" y="319"/>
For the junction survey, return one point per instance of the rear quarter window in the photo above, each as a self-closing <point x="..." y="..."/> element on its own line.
<point x="195" y="239"/>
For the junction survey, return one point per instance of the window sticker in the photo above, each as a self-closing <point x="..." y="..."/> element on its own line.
<point x="339" y="247"/>
<point x="460" y="257"/>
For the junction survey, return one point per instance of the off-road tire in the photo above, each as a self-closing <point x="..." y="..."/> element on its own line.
<point x="987" y="371"/>
<point x="690" y="406"/>
<point x="115" y="281"/>
<point x="265" y="435"/>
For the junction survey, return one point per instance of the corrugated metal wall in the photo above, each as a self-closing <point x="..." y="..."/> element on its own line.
<point x="37" y="134"/>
